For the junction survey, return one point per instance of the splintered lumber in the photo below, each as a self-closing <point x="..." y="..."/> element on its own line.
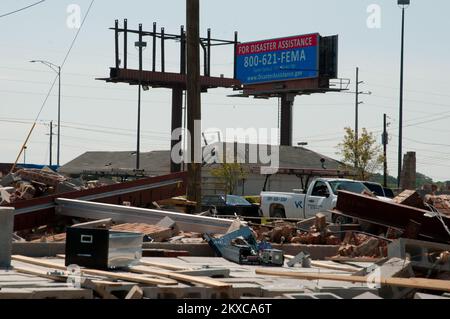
<point x="181" y="277"/>
<point x="135" y="293"/>
<point x="147" y="263"/>
<point x="320" y="264"/>
<point x="416" y="283"/>
<point x="95" y="272"/>
<point x="162" y="265"/>
<point x="41" y="273"/>
<point x="354" y="259"/>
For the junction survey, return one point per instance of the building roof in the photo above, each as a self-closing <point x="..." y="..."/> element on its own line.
<point x="158" y="162"/>
<point x="288" y="156"/>
<point x="124" y="162"/>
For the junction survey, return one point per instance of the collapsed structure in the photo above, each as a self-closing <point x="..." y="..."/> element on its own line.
<point x="395" y="250"/>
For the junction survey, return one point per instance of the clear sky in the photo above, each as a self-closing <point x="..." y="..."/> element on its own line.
<point x="102" y="116"/>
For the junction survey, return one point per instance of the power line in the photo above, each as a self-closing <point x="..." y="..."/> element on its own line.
<point x="426" y="143"/>
<point x="414" y="91"/>
<point x="44" y="122"/>
<point x="24" y="8"/>
<point x="66" y="56"/>
<point x="51" y="88"/>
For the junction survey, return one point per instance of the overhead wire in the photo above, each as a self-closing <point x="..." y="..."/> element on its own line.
<point x="53" y="84"/>
<point x="21" y="9"/>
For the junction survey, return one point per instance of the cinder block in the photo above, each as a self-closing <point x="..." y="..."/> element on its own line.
<point x="312" y="296"/>
<point x="349" y="292"/>
<point x="393" y="268"/>
<point x="419" y="295"/>
<point x="6" y="231"/>
<point x="367" y="295"/>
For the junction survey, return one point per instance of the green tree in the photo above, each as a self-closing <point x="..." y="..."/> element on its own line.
<point x="229" y="174"/>
<point x="364" y="154"/>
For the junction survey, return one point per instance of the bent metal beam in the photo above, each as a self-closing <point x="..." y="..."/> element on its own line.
<point x="126" y="214"/>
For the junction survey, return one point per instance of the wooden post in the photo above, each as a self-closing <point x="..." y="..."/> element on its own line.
<point x="193" y="100"/>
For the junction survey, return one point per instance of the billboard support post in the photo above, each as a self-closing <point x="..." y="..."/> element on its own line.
<point x="287" y="103"/>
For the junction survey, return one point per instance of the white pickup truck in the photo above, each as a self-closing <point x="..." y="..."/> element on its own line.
<point x="320" y="197"/>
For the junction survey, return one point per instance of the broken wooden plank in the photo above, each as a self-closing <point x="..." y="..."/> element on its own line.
<point x="417" y="283"/>
<point x="164" y="252"/>
<point x="135" y="293"/>
<point x="207" y="272"/>
<point x="180" y="277"/>
<point x="101" y="273"/>
<point x="41" y="273"/>
<point x="354" y="259"/>
<point x="162" y="265"/>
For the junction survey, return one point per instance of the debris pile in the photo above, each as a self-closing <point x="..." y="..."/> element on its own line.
<point x="440" y="202"/>
<point x="281" y="232"/>
<point x="360" y="245"/>
<point x="26" y="184"/>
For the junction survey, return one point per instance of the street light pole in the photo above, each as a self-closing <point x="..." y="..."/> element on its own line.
<point x="140" y="45"/>
<point x="58" y="149"/>
<point x="57" y="69"/>
<point x="403" y="4"/>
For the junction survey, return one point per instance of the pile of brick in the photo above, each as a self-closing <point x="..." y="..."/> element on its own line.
<point x="26" y="184"/>
<point x="286" y="232"/>
<point x="360" y="245"/>
<point x="440" y="202"/>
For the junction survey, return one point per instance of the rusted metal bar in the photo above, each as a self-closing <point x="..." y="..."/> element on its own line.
<point x="208" y="45"/>
<point x="182" y="51"/>
<point x="125" y="43"/>
<point x="116" y="37"/>
<point x="394" y="215"/>
<point x="163" y="67"/>
<point x="235" y="55"/>
<point x="154" y="48"/>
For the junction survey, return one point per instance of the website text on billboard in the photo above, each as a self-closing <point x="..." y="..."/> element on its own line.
<point x="278" y="59"/>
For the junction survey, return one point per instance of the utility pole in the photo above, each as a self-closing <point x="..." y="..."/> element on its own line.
<point x="140" y="45"/>
<point x="59" y="117"/>
<point x="51" y="142"/>
<point x="385" y="140"/>
<point x="193" y="101"/>
<point x="357" y="103"/>
<point x="403" y="4"/>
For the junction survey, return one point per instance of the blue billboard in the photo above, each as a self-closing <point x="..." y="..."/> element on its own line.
<point x="278" y="59"/>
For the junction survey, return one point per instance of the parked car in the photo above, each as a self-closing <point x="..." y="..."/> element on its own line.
<point x="381" y="192"/>
<point x="321" y="196"/>
<point x="389" y="193"/>
<point x="230" y="205"/>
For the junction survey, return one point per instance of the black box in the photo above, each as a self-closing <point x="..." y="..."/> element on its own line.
<point x="102" y="248"/>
